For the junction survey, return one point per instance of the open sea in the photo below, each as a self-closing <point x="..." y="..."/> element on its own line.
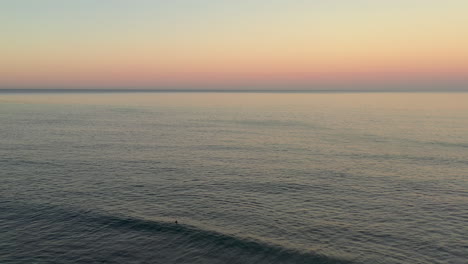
<point x="101" y="177"/>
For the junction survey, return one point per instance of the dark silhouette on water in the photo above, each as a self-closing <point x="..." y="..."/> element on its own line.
<point x="176" y="222"/>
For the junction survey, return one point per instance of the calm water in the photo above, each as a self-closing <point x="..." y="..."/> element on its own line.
<point x="251" y="178"/>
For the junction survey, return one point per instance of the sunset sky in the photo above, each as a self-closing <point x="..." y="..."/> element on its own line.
<point x="278" y="44"/>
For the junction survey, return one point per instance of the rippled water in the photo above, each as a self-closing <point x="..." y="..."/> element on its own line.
<point x="250" y="177"/>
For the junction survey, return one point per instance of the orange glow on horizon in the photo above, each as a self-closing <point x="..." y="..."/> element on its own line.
<point x="383" y="43"/>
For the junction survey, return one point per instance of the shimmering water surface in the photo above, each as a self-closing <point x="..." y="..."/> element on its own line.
<point x="250" y="177"/>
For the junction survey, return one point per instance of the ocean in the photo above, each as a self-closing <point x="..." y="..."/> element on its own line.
<point x="272" y="177"/>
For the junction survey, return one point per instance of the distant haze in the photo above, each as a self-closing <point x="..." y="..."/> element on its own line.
<point x="238" y="45"/>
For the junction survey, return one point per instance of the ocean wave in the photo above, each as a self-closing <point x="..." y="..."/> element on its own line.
<point x="211" y="246"/>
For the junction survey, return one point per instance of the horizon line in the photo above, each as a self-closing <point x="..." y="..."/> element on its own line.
<point x="150" y="90"/>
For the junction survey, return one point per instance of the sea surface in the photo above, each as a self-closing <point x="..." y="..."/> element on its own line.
<point x="95" y="177"/>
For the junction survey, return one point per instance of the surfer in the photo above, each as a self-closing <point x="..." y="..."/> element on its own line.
<point x="176" y="222"/>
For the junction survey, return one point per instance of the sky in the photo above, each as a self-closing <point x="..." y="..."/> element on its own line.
<point x="246" y="44"/>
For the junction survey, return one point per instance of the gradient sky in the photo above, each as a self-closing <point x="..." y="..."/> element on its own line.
<point x="282" y="44"/>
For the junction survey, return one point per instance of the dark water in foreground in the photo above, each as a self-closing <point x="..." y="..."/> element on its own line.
<point x="251" y="178"/>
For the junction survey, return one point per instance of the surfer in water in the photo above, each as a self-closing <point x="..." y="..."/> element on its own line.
<point x="176" y="222"/>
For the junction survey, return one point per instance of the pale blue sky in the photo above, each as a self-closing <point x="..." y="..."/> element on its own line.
<point x="226" y="38"/>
